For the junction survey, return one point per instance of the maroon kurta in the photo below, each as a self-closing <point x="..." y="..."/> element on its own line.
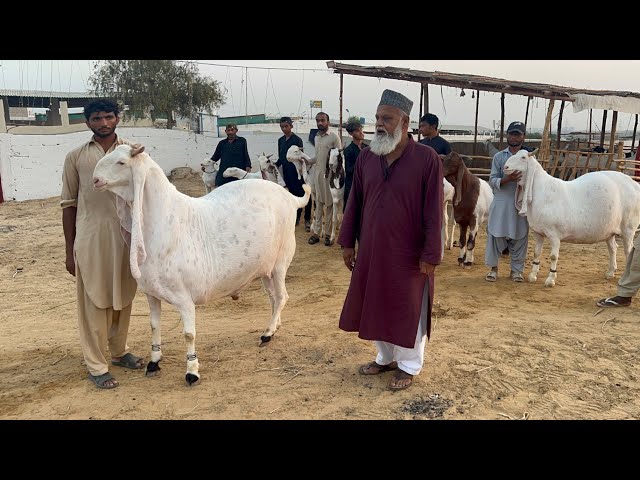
<point x="397" y="222"/>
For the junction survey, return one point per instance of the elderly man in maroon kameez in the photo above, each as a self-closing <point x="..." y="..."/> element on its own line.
<point x="394" y="212"/>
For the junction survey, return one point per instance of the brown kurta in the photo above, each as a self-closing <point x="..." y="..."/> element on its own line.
<point x="324" y="143"/>
<point x="101" y="255"/>
<point x="397" y="222"/>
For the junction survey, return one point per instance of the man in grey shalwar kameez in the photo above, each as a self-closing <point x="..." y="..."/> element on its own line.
<point x="506" y="229"/>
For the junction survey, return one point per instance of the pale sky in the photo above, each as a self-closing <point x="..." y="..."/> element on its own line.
<point x="288" y="92"/>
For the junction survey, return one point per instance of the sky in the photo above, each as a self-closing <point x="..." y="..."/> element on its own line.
<point x="285" y="87"/>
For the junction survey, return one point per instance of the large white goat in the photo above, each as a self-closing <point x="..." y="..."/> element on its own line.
<point x="188" y="251"/>
<point x="209" y="173"/>
<point x="594" y="207"/>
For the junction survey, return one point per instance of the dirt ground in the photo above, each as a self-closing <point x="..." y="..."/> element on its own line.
<point x="498" y="350"/>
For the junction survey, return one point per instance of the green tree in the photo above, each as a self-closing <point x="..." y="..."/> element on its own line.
<point x="353" y="118"/>
<point x="156" y="88"/>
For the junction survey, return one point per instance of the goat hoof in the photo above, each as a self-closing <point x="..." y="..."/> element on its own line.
<point x="191" y="379"/>
<point x="532" y="278"/>
<point x="153" y="368"/>
<point x="549" y="283"/>
<point x="264" y="339"/>
<point x="610" y="275"/>
<point x="467" y="265"/>
<point x="235" y="297"/>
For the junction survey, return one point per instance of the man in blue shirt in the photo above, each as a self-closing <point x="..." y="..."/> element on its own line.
<point x="429" y="130"/>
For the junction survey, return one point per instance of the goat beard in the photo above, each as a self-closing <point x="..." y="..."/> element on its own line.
<point x="385" y="143"/>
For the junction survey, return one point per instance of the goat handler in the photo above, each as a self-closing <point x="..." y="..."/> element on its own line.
<point x="506" y="229"/>
<point x="394" y="212"/>
<point x="96" y="253"/>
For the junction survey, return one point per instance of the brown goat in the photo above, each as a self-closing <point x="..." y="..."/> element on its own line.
<point x="468" y="211"/>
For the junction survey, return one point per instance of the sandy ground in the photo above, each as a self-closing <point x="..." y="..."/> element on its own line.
<point x="497" y="351"/>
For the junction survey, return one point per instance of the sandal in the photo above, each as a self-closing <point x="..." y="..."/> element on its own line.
<point x="327" y="240"/>
<point x="104" y="381"/>
<point x="400" y="375"/>
<point x="313" y="239"/>
<point x="517" y="277"/>
<point x="491" y="276"/>
<point x="365" y="369"/>
<point x="610" y="302"/>
<point x="128" y="360"/>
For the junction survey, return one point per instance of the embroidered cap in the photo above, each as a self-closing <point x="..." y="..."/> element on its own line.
<point x="395" y="99"/>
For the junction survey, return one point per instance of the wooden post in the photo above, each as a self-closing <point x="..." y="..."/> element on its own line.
<point x="614" y="126"/>
<point x="425" y="87"/>
<point x="340" y="124"/>
<point x="501" y="120"/>
<point x="560" y="124"/>
<point x="590" y="123"/>
<point x="526" y="114"/>
<point x="475" y="131"/>
<point x="545" y="148"/>
<point x="635" y="127"/>
<point x="421" y="99"/>
<point x="604" y="127"/>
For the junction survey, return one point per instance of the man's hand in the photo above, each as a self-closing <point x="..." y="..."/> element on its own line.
<point x="427" y="268"/>
<point x="71" y="264"/>
<point x="514" y="176"/>
<point x="349" y="257"/>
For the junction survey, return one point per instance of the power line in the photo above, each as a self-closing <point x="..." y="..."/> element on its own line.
<point x="261" y="68"/>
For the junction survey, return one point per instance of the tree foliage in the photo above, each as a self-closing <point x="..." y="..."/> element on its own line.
<point x="156" y="88"/>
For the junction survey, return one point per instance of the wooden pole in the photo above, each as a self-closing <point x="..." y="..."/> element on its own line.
<point x="421" y="100"/>
<point x="425" y="86"/>
<point x="501" y="120"/>
<point x="604" y="127"/>
<point x="546" y="142"/>
<point x="526" y="114"/>
<point x="635" y="128"/>
<point x="340" y="124"/>
<point x="560" y="124"/>
<point x="475" y="132"/>
<point x="590" y="123"/>
<point x="614" y="126"/>
<point x="246" y="94"/>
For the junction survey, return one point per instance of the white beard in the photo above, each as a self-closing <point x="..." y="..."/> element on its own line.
<point x="385" y="143"/>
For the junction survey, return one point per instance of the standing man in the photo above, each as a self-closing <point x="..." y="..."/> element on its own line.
<point x="350" y="155"/>
<point x="429" y="130"/>
<point x="289" y="172"/>
<point x="506" y="230"/>
<point x="232" y="152"/>
<point x="96" y="253"/>
<point x="394" y="212"/>
<point x="324" y="141"/>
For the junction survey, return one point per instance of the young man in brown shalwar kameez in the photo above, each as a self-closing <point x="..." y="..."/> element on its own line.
<point x="96" y="253"/>
<point x="394" y="211"/>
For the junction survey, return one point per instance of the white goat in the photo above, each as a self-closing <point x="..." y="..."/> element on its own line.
<point x="306" y="168"/>
<point x="448" y="197"/>
<point x="267" y="171"/>
<point x="335" y="173"/>
<point x="209" y="174"/>
<point x="594" y="207"/>
<point x="188" y="251"/>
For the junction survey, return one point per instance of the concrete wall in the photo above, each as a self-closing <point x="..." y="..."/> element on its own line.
<point x="31" y="165"/>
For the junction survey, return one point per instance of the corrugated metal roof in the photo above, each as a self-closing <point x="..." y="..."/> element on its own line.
<point x="45" y="94"/>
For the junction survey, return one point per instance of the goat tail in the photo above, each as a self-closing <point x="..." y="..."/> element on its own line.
<point x="301" y="202"/>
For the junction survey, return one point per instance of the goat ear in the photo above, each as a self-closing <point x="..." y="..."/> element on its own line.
<point x="137" y="252"/>
<point x="458" y="186"/>
<point x="269" y="156"/>
<point x="136" y="149"/>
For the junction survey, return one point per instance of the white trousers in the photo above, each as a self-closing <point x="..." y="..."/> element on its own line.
<point x="410" y="360"/>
